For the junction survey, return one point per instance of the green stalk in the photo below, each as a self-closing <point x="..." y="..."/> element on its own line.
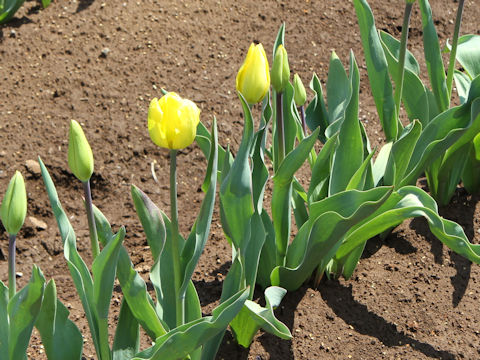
<point x="179" y="307"/>
<point x="12" y="285"/>
<point x="453" y="53"/>
<point x="91" y="219"/>
<point x="401" y="59"/>
<point x="280" y="129"/>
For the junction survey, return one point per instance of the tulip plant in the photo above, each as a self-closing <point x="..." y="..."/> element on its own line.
<point x="36" y="304"/>
<point x="174" y="321"/>
<point x="445" y="144"/>
<point x="350" y="198"/>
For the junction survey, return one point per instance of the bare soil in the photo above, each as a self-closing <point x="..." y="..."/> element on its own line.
<point x="101" y="62"/>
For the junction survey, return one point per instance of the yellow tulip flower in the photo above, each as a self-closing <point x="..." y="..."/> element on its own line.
<point x="253" y="78"/>
<point x="172" y="121"/>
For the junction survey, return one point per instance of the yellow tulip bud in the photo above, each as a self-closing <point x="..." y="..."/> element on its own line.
<point x="14" y="205"/>
<point x="172" y="121"/>
<point x="253" y="78"/>
<point x="300" y="95"/>
<point x="80" y="156"/>
<point x="280" y="69"/>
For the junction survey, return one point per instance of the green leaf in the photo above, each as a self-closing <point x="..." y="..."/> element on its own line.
<point x="23" y="309"/>
<point x="348" y="156"/>
<point x="127" y="335"/>
<point x="60" y="336"/>
<point x="104" y="269"/>
<point x="236" y="188"/>
<point x="414" y="94"/>
<point x="318" y="239"/>
<point x="10" y="7"/>
<point x="260" y="172"/>
<point x="280" y="39"/>
<point x="196" y="241"/>
<point x="133" y="286"/>
<point x="316" y="114"/>
<point x="253" y="251"/>
<point x="282" y="191"/>
<point x="4" y="322"/>
<point x="268" y="255"/>
<point x="468" y="54"/>
<point x="471" y="171"/>
<point x="462" y="82"/>
<point x="377" y="70"/>
<point x="339" y="91"/>
<point x="321" y="169"/>
<point x="401" y="153"/>
<point x="433" y="57"/>
<point x="78" y="269"/>
<point x="151" y="219"/>
<point x="358" y="180"/>
<point x="45" y="3"/>
<point x="253" y="317"/>
<point x="181" y="341"/>
<point x="411" y="201"/>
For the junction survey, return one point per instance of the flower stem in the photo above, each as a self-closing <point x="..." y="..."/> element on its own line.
<point x="280" y="129"/>
<point x="453" y="52"/>
<point x="180" y="314"/>
<point x="401" y="58"/>
<point x="91" y="219"/>
<point x="12" y="286"/>
<point x="301" y="111"/>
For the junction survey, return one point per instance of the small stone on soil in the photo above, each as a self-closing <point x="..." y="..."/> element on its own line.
<point x="33" y="167"/>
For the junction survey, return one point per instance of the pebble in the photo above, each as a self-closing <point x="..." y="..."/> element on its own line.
<point x="13" y="33"/>
<point x="19" y="274"/>
<point x="37" y="224"/>
<point x="33" y="167"/>
<point x="105" y="52"/>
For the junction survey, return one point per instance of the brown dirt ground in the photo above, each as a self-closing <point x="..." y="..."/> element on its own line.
<point x="410" y="297"/>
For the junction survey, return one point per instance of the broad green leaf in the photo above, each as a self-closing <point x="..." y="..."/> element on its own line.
<point x="357" y="182"/>
<point x="289" y="118"/>
<point x="196" y="241"/>
<point x="318" y="239"/>
<point x="433" y="57"/>
<point x="151" y="219"/>
<point x="280" y="39"/>
<point x="411" y="202"/>
<point x="236" y="188"/>
<point x="78" y="269"/>
<point x="10" y="7"/>
<point x="183" y="340"/>
<point x="468" y="54"/>
<point x="104" y="269"/>
<point x="203" y="140"/>
<point x="316" y="112"/>
<point x="401" y="153"/>
<point x="127" y="335"/>
<point x="23" y="309"/>
<point x="253" y="251"/>
<point x="259" y="172"/>
<point x="321" y="169"/>
<point x="380" y="164"/>
<point x="393" y="46"/>
<point x="414" y="94"/>
<point x="253" y="317"/>
<point x="339" y="91"/>
<point x="133" y="286"/>
<point x="282" y="191"/>
<point x="471" y="171"/>
<point x="268" y="255"/>
<point x="4" y="322"/>
<point x="348" y="156"/>
<point x="377" y="70"/>
<point x="60" y="336"/>
<point x="45" y="3"/>
<point x="462" y="82"/>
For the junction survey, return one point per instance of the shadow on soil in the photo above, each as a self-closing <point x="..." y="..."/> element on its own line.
<point x="368" y="323"/>
<point x="461" y="209"/>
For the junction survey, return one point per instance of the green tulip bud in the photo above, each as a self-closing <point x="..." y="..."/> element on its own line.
<point x="80" y="156"/>
<point x="14" y="205"/>
<point x="300" y="95"/>
<point x="280" y="74"/>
